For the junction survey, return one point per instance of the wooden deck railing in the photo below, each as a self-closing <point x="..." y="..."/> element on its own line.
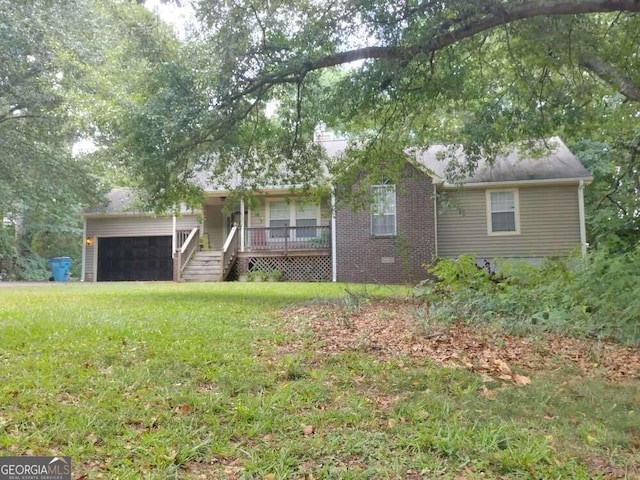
<point x="188" y="248"/>
<point x="181" y="237"/>
<point x="229" y="252"/>
<point x="287" y="238"/>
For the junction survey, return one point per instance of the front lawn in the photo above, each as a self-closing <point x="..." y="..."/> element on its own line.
<point x="218" y="381"/>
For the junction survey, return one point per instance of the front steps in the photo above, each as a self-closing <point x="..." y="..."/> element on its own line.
<point x="204" y="266"/>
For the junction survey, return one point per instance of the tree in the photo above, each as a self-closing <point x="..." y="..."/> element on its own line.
<point x="613" y="200"/>
<point x="481" y="73"/>
<point x="63" y="66"/>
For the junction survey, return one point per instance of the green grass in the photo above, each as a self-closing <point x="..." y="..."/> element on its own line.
<point x="200" y="381"/>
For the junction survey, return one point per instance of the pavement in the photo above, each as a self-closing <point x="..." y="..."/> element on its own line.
<point x="28" y="284"/>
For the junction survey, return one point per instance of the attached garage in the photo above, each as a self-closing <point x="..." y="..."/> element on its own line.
<point x="122" y="244"/>
<point x="135" y="258"/>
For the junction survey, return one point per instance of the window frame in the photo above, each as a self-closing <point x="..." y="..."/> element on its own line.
<point x="293" y="217"/>
<point x="490" y="212"/>
<point x="374" y="206"/>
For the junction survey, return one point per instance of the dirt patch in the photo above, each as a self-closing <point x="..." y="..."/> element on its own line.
<point x="393" y="327"/>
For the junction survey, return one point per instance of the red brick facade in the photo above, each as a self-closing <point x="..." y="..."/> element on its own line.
<point x="363" y="258"/>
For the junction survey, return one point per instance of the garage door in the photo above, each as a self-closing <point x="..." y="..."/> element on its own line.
<point x="134" y="258"/>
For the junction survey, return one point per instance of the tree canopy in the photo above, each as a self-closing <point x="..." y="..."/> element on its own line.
<point x="66" y="67"/>
<point x="257" y="77"/>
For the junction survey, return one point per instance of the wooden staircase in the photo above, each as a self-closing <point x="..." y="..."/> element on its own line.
<point x="204" y="266"/>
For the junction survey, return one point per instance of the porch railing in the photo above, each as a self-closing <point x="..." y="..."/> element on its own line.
<point x="186" y="251"/>
<point x="287" y="238"/>
<point x="229" y="251"/>
<point x="181" y="237"/>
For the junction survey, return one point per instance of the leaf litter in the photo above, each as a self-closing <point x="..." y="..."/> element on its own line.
<point x="388" y="328"/>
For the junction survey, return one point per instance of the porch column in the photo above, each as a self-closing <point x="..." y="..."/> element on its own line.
<point x="242" y="224"/>
<point x="334" y="261"/>
<point x="84" y="248"/>
<point x="173" y="237"/>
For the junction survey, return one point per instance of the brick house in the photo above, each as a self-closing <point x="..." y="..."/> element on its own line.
<point x="515" y="207"/>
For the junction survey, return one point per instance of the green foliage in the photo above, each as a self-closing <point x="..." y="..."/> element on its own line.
<point x="31" y="267"/>
<point x="70" y="70"/>
<point x="463" y="273"/>
<point x="598" y="295"/>
<point x="245" y="92"/>
<point x="612" y="203"/>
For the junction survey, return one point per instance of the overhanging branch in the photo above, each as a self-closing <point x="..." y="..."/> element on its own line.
<point x="446" y="34"/>
<point x="608" y="73"/>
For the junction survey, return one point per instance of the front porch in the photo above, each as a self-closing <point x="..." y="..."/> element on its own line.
<point x="280" y="235"/>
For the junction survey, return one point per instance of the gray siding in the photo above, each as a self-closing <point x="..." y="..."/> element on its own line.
<point x="214" y="226"/>
<point x="88" y="267"/>
<point x="129" y="226"/>
<point x="549" y="224"/>
<point x="187" y="222"/>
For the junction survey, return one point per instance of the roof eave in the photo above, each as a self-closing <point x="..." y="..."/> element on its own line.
<point x="515" y="183"/>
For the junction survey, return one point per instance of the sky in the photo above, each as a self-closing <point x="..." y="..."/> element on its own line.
<point x="178" y="17"/>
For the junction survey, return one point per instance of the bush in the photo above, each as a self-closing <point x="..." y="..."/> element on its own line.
<point x="598" y="295"/>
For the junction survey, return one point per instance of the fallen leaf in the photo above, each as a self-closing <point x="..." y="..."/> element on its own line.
<point x="182" y="409"/>
<point x="391" y="325"/>
<point x="521" y="379"/>
<point x="502" y="365"/>
<point x="153" y="423"/>
<point x="308" y="430"/>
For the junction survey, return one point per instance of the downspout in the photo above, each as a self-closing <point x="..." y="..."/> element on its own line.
<point x="583" y="229"/>
<point x="435" y="222"/>
<point x="84" y="248"/>
<point x="174" y="240"/>
<point x="242" y="224"/>
<point x="334" y="260"/>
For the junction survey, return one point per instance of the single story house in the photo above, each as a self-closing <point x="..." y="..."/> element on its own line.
<point x="515" y="207"/>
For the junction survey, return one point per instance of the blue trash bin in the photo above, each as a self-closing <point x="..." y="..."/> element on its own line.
<point x="60" y="268"/>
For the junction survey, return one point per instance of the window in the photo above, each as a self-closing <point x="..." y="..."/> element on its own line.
<point x="502" y="212"/>
<point x="383" y="215"/>
<point x="292" y="214"/>
<point x="306" y="216"/>
<point x="278" y="217"/>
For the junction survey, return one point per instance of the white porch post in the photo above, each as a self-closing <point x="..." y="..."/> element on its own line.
<point x="334" y="261"/>
<point x="435" y="221"/>
<point x="583" y="228"/>
<point x="84" y="248"/>
<point x="242" y="224"/>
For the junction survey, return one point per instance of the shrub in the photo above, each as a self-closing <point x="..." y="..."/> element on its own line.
<point x="598" y="295"/>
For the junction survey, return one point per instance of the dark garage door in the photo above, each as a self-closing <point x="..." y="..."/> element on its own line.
<point x="134" y="258"/>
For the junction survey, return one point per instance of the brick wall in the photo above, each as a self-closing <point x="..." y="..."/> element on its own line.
<point x="362" y="257"/>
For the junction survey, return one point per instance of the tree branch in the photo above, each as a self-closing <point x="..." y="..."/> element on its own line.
<point x="608" y="73"/>
<point x="6" y="118"/>
<point x="447" y="33"/>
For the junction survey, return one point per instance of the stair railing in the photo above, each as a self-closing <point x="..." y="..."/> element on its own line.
<point x="189" y="247"/>
<point x="229" y="252"/>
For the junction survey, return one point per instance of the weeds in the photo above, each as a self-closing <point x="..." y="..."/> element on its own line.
<point x="598" y="295"/>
